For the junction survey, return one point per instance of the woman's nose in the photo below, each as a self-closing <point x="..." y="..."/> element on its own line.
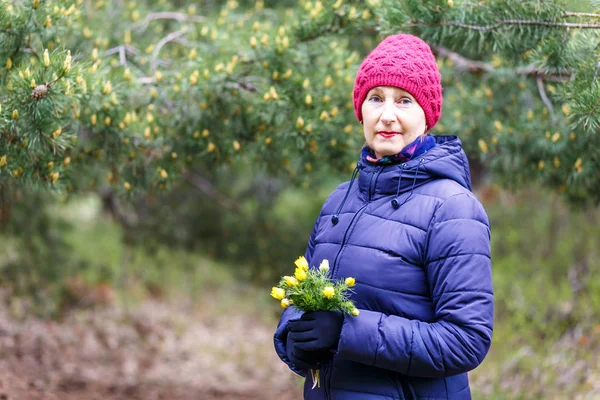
<point x="387" y="115"/>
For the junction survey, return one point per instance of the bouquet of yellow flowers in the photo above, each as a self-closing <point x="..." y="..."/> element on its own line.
<point x="313" y="290"/>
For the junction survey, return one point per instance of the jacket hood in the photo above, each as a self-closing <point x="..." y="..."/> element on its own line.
<point x="447" y="160"/>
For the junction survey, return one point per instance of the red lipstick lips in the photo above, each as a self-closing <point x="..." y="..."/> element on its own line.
<point x="387" y="134"/>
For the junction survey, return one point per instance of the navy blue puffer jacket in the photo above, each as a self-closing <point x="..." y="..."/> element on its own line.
<point x="418" y="243"/>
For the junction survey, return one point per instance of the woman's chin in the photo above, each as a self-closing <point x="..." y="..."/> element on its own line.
<point x="384" y="150"/>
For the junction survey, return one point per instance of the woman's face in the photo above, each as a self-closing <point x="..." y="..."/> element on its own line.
<point x="392" y="119"/>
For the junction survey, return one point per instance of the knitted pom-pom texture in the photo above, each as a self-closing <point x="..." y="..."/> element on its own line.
<point x="404" y="61"/>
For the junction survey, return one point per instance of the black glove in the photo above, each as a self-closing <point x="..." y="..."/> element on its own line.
<point x="316" y="331"/>
<point x="300" y="358"/>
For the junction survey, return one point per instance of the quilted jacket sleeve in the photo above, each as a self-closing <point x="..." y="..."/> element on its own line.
<point x="458" y="268"/>
<point x="281" y="333"/>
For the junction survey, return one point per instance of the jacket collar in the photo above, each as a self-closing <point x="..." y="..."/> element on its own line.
<point x="446" y="160"/>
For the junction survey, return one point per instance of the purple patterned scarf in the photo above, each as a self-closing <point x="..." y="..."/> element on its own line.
<point x="419" y="146"/>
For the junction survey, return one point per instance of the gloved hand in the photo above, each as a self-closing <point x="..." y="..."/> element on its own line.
<point x="316" y="331"/>
<point x="300" y="358"/>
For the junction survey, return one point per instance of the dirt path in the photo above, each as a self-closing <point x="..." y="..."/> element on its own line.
<point x="155" y="352"/>
<point x="161" y="351"/>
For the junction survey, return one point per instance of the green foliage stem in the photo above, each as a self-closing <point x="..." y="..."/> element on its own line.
<point x="307" y="295"/>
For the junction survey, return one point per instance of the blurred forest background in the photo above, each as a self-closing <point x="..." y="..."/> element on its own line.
<point x="162" y="163"/>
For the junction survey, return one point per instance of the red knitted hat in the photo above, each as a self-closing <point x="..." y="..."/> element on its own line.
<point x="404" y="61"/>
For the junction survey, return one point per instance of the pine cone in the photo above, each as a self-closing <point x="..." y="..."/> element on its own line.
<point x="39" y="92"/>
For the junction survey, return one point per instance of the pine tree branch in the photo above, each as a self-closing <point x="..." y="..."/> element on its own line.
<point x="568" y="14"/>
<point x="171" y="37"/>
<point x="146" y="80"/>
<point x="122" y="50"/>
<point x="143" y="24"/>
<point x="206" y="187"/>
<point x="593" y="110"/>
<point x="9" y="32"/>
<point x="484" y="28"/>
<point x="111" y="205"/>
<point x="461" y="62"/>
<point x="31" y="51"/>
<point x="244" y="85"/>
<point x="545" y="98"/>
<point x="473" y="66"/>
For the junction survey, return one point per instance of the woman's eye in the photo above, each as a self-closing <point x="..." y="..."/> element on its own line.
<point x="405" y="101"/>
<point x="374" y="98"/>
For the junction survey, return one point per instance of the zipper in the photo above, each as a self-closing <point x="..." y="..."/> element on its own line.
<point x="327" y="382"/>
<point x="372" y="185"/>
<point x="333" y="269"/>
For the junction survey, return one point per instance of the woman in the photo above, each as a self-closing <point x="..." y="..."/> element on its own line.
<point x="415" y="238"/>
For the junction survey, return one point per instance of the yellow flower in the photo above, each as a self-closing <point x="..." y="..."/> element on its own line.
<point x="301" y="263"/>
<point x="300" y="274"/>
<point x="107" y="87"/>
<point x="278" y="293"/>
<point x="482" y="145"/>
<point x="290" y="280"/>
<point x="285" y="303"/>
<point x="350" y="281"/>
<point x="46" y="58"/>
<point x="324" y="265"/>
<point x="67" y="62"/>
<point x="355" y="312"/>
<point x="578" y="165"/>
<point x="498" y="125"/>
<point x="328" y="292"/>
<point x="54" y="177"/>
